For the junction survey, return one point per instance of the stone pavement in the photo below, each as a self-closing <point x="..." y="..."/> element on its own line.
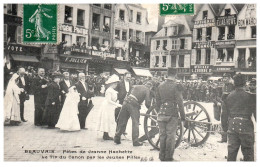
<point x="30" y="143"/>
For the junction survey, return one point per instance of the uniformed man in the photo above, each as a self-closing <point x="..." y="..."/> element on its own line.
<point x="240" y="105"/>
<point x="130" y="108"/>
<point x="169" y="103"/>
<point x="226" y="89"/>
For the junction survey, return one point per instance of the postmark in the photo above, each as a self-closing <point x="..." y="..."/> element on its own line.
<point x="40" y="23"/>
<point x="176" y="9"/>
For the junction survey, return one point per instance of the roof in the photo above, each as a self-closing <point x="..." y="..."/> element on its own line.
<point x="217" y="8"/>
<point x="239" y="7"/>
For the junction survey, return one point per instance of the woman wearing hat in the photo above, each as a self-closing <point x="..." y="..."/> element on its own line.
<point x="106" y="122"/>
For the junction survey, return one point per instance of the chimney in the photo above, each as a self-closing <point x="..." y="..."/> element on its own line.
<point x="161" y="21"/>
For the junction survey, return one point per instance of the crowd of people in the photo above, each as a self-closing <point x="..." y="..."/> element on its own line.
<point x="64" y="100"/>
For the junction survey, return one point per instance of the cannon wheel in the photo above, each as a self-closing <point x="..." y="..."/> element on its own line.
<point x="151" y="129"/>
<point x="197" y="129"/>
<point x="199" y="123"/>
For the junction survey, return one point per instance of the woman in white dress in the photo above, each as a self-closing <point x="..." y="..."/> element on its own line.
<point x="68" y="119"/>
<point x="12" y="102"/>
<point x="106" y="122"/>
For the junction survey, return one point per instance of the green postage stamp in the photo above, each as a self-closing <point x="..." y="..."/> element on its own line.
<point x="40" y="23"/>
<point x="176" y="9"/>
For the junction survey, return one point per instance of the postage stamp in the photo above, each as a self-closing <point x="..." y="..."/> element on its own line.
<point x="40" y="23"/>
<point x="176" y="9"/>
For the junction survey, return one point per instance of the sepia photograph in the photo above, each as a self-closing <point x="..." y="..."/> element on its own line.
<point x="129" y="82"/>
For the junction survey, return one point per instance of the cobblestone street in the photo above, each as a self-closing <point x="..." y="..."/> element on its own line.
<point x="88" y="145"/>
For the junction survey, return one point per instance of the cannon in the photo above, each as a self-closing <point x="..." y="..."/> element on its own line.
<point x="195" y="131"/>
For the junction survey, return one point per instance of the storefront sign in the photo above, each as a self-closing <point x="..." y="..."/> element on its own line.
<point x="180" y="52"/>
<point x="103" y="54"/>
<point x="21" y="49"/>
<point x="201" y="69"/>
<point x="158" y="53"/>
<point x="225" y="44"/>
<point x="203" y="45"/>
<point x="227" y="20"/>
<point x="205" y="23"/>
<point x="223" y="69"/>
<point x="73" y="29"/>
<point x="50" y="49"/>
<point x="246" y="22"/>
<point x="76" y="50"/>
<point x="11" y="19"/>
<point x="74" y="60"/>
<point x="183" y="70"/>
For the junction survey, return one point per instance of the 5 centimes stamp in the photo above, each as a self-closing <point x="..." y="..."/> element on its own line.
<point x="176" y="9"/>
<point x="40" y="23"/>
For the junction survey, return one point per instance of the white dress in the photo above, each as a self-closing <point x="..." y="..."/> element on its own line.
<point x="106" y="119"/>
<point x="68" y="119"/>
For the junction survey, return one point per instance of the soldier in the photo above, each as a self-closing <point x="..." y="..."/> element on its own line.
<point x="130" y="108"/>
<point x="226" y="89"/>
<point x="240" y="105"/>
<point x="169" y="102"/>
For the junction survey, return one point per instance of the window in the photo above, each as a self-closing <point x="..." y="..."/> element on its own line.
<point x="95" y="42"/>
<point x="131" y="34"/>
<point x="208" y="33"/>
<point x="68" y="15"/>
<point x="80" y="40"/>
<point x="242" y="33"/>
<point x="12" y="9"/>
<point x="117" y="52"/>
<point x="230" y="55"/>
<point x="131" y="16"/>
<point x="205" y="14"/>
<point x="241" y="60"/>
<point x="156" y="61"/>
<point x="198" y="57"/>
<point x="67" y="39"/>
<point x="122" y="15"/>
<point x="164" y="44"/>
<point x="173" y="61"/>
<point x="199" y="34"/>
<point x="231" y="32"/>
<point x="19" y="34"/>
<point x="221" y="55"/>
<point x="157" y="45"/>
<point x="138" y="36"/>
<point x="137" y="53"/>
<point x="164" y="61"/>
<point x="5" y="32"/>
<point x="138" y="18"/>
<point x="11" y="31"/>
<point x="175" y="30"/>
<point x="124" y="37"/>
<point x="221" y="34"/>
<point x="252" y="58"/>
<point x="106" y="25"/>
<point x="117" y="34"/>
<point x="182" y="43"/>
<point x="207" y="60"/>
<point x="174" y="44"/>
<point x="181" y="61"/>
<point x="227" y="12"/>
<point x="80" y="17"/>
<point x="99" y="5"/>
<point x="253" y="32"/>
<point x="165" y="31"/>
<point x="96" y="21"/>
<point x="108" y="6"/>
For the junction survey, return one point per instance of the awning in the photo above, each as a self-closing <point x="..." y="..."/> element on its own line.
<point x="142" y="72"/>
<point x="214" y="78"/>
<point x="246" y="73"/>
<point x="121" y="71"/>
<point x="24" y="58"/>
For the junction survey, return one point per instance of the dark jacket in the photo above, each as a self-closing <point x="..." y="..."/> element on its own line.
<point x="40" y="94"/>
<point x="142" y="93"/>
<point x="83" y="93"/>
<point x="54" y="93"/>
<point x="122" y="91"/>
<point x="22" y="95"/>
<point x="64" y="87"/>
<point x="169" y="93"/>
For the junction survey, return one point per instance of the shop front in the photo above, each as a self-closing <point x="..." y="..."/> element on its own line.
<point x="202" y="71"/>
<point x="218" y="71"/>
<point x="137" y="55"/>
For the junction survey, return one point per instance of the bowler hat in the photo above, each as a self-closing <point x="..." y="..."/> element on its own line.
<point x="56" y="75"/>
<point x="171" y="72"/>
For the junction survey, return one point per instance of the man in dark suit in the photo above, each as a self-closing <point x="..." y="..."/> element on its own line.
<point x="53" y="101"/>
<point x="64" y="86"/>
<point x="22" y="83"/>
<point x="123" y="89"/>
<point x="85" y="95"/>
<point x="40" y="94"/>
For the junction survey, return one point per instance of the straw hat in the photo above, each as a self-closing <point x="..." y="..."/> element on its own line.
<point x="112" y="79"/>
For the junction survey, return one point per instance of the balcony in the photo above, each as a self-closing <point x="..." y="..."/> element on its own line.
<point x="224" y="63"/>
<point x="230" y="36"/>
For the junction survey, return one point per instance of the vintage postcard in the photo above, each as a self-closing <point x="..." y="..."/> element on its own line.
<point x="126" y="82"/>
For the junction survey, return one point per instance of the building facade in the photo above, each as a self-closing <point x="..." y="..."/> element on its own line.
<point x="171" y="46"/>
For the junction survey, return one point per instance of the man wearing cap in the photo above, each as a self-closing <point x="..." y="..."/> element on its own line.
<point x="130" y="108"/>
<point x="226" y="89"/>
<point x="64" y="86"/>
<point x="169" y="103"/>
<point x="53" y="101"/>
<point x="240" y="106"/>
